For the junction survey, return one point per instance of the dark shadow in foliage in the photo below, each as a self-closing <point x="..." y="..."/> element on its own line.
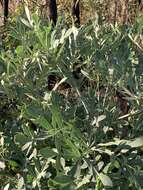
<point x="52" y="10"/>
<point x="5" y="9"/>
<point x="139" y="1"/>
<point x="76" y="12"/>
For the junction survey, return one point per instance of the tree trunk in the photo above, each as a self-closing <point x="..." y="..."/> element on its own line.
<point x="139" y="1"/>
<point x="5" y="9"/>
<point x="126" y="12"/>
<point x="76" y="12"/>
<point x="52" y="10"/>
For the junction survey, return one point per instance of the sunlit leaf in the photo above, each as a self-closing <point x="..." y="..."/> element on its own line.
<point x="7" y="187"/>
<point x="138" y="142"/>
<point x="105" y="180"/>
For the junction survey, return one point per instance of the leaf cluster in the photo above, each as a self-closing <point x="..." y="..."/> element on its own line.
<point x="74" y="135"/>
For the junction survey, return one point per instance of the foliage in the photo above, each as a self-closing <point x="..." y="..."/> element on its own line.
<point x="73" y="136"/>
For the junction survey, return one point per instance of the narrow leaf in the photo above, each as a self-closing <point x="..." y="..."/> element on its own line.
<point x="105" y="180"/>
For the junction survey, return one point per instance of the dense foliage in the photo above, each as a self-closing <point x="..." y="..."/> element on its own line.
<point x="72" y="132"/>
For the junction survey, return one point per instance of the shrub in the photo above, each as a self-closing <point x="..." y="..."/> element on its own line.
<point x="75" y="136"/>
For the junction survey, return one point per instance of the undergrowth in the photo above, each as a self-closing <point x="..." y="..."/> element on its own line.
<point x="80" y="129"/>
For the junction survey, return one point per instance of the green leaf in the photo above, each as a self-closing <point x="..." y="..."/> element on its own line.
<point x="32" y="111"/>
<point x="56" y="117"/>
<point x="62" y="181"/>
<point x="47" y="152"/>
<point x="25" y="22"/>
<point x="19" y="50"/>
<point x="116" y="164"/>
<point x="21" y="139"/>
<point x="85" y="180"/>
<point x="28" y="15"/>
<point x="42" y="122"/>
<point x="71" y="151"/>
<point x="75" y="171"/>
<point x="138" y="142"/>
<point x="105" y="180"/>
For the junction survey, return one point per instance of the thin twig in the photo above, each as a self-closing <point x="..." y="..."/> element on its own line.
<point x="130" y="37"/>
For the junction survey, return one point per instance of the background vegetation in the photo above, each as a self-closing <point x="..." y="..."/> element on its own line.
<point x="71" y="99"/>
<point x="111" y="11"/>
